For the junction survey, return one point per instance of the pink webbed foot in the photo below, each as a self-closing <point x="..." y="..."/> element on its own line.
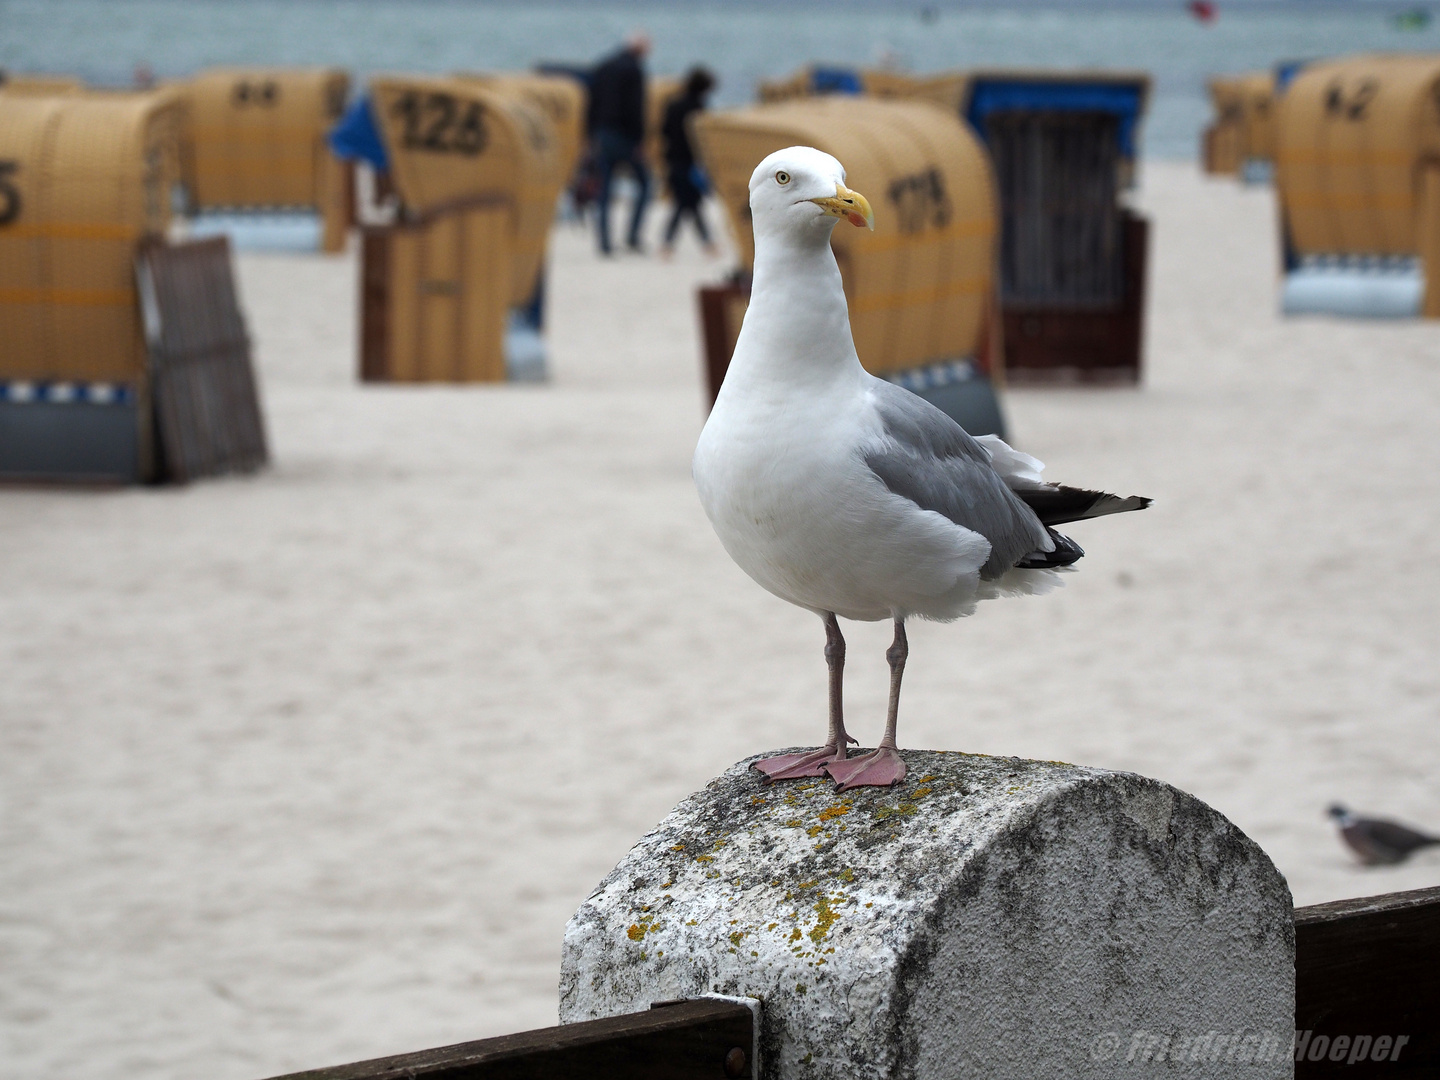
<point x="795" y="766"/>
<point x="879" y="768"/>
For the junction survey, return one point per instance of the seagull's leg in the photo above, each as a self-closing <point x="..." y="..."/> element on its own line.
<point x="897" y="654"/>
<point x="882" y="767"/>
<point x="794" y="766"/>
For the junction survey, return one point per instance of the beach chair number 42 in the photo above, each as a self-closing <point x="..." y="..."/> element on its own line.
<point x="9" y="193"/>
<point x="442" y="124"/>
<point x="262" y="93"/>
<point x="1352" y="106"/>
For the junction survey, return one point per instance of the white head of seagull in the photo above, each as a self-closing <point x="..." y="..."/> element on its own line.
<point x="843" y="493"/>
<point x="799" y="193"/>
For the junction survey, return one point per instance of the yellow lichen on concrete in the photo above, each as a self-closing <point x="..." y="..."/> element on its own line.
<point x="825" y="917"/>
<point x="646" y="924"/>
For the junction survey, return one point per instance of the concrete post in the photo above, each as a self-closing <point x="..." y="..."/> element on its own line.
<point x="989" y="917"/>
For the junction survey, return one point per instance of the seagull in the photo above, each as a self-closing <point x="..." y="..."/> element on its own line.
<point x="848" y="495"/>
<point x="1377" y="842"/>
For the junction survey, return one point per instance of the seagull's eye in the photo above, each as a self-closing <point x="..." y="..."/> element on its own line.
<point x="782" y="177"/>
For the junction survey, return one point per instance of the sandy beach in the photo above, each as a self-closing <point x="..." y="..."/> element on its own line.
<point x="313" y="766"/>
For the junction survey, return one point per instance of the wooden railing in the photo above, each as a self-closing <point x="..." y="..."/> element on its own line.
<point x="1369" y="969"/>
<point x="1364" y="969"/>
<point x="684" y="1040"/>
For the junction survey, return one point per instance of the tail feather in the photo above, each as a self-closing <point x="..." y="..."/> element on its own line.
<point x="1055" y="504"/>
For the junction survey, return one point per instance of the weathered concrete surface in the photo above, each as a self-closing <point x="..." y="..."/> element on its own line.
<point x="989" y="917"/>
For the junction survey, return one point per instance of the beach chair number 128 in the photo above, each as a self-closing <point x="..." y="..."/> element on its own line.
<point x="441" y="123"/>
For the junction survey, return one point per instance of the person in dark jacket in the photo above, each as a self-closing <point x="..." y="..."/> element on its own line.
<point x="682" y="171"/>
<point x="617" y="131"/>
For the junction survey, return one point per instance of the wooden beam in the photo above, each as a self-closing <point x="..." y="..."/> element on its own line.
<point x="701" y="1039"/>
<point x="1364" y="969"/>
<point x="1369" y="967"/>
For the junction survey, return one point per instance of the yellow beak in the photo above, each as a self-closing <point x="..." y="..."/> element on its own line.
<point x="850" y="205"/>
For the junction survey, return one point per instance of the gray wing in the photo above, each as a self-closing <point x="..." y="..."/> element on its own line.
<point x="932" y="461"/>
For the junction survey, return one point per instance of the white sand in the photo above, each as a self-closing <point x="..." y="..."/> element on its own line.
<point x="313" y="766"/>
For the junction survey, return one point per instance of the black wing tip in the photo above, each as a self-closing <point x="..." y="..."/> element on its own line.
<point x="1066" y="552"/>
<point x="1107" y="503"/>
<point x="1057" y="504"/>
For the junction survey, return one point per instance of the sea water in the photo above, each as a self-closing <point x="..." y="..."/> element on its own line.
<point x="104" y="40"/>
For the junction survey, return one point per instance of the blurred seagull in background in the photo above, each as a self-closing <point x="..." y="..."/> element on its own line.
<point x="1377" y="842"/>
<point x="846" y="494"/>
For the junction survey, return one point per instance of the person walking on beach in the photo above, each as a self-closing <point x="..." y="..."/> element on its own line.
<point x="617" y="131"/>
<point x="682" y="171"/>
